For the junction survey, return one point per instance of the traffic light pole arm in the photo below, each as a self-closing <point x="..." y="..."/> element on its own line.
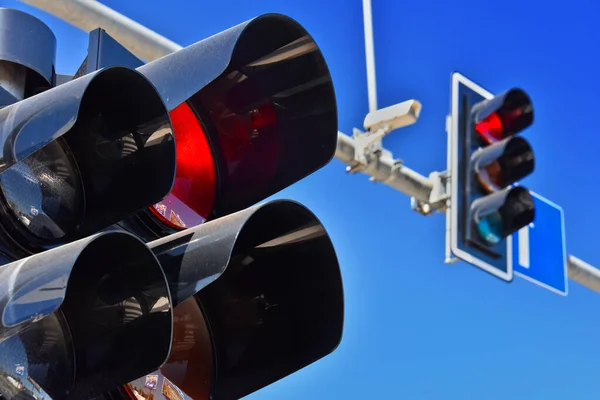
<point x="382" y="167"/>
<point x="88" y="15"/>
<point x="583" y="273"/>
<point x="149" y="45"/>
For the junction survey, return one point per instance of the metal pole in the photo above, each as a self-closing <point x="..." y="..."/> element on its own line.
<point x="149" y="45"/>
<point x="88" y="15"/>
<point x="583" y="273"/>
<point x="386" y="170"/>
<point x="370" y="55"/>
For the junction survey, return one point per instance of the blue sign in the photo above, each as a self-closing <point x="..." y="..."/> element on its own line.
<point x="539" y="250"/>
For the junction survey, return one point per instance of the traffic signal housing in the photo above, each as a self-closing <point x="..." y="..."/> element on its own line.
<point x="257" y="296"/>
<point x="81" y="312"/>
<point x="487" y="162"/>
<point x="253" y="110"/>
<point x="78" y="157"/>
<point x="172" y="158"/>
<point x="252" y="114"/>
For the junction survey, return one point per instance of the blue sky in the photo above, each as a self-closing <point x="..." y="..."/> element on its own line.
<point x="415" y="327"/>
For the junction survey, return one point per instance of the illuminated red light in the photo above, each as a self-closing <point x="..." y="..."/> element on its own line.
<point x="249" y="149"/>
<point x="193" y="195"/>
<point x="495" y="126"/>
<point x="491" y="128"/>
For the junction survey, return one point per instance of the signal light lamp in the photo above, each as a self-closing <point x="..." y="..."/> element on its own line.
<point x="502" y="213"/>
<point x="247" y="124"/>
<point x="503" y="116"/>
<point x="247" y="149"/>
<point x="74" y="151"/>
<point x="503" y="163"/>
<point x="44" y="192"/>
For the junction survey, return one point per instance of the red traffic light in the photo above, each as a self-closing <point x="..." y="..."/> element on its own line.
<point x="252" y="114"/>
<point x="248" y="150"/>
<point x="191" y="200"/>
<point x="503" y="116"/>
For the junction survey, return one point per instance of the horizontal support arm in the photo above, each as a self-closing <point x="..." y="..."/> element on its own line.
<point x="88" y="15"/>
<point x="386" y="170"/>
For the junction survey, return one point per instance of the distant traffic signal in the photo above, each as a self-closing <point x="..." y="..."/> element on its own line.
<point x="487" y="161"/>
<point x="128" y="224"/>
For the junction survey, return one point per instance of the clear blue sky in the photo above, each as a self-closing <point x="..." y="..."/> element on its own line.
<point x="416" y="328"/>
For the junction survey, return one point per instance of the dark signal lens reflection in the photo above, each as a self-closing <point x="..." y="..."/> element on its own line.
<point x="45" y="192"/>
<point x="193" y="195"/>
<point x="250" y="146"/>
<point x="490" y="177"/>
<point x="190" y="366"/>
<point x="188" y="374"/>
<point x="248" y="143"/>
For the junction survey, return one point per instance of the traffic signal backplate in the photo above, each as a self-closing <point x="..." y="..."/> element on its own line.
<point x="495" y="259"/>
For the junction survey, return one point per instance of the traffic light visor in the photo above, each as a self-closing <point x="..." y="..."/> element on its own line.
<point x="71" y="153"/>
<point x="502" y="213"/>
<point x="503" y="116"/>
<point x="268" y="284"/>
<point x="262" y="96"/>
<point x="28" y="51"/>
<point x="503" y="163"/>
<point x="107" y="292"/>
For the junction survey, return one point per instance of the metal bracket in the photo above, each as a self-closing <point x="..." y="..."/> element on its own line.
<point x="437" y="198"/>
<point x="367" y="145"/>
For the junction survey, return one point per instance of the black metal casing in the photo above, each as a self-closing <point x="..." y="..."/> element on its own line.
<point x="513" y="157"/>
<point x="86" y="313"/>
<point x="275" y="60"/>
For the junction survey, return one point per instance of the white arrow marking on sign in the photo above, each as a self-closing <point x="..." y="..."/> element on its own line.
<point x="524" y="246"/>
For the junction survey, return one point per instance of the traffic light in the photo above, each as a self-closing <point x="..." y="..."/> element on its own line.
<point x="75" y="312"/>
<point x="78" y="157"/>
<point x="257" y="294"/>
<point x="25" y="69"/>
<point x="252" y="114"/>
<point x="488" y="161"/>
<point x="146" y="252"/>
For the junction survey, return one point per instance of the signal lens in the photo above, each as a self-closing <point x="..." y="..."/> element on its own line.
<point x="509" y="114"/>
<point x="44" y="192"/>
<point x="190" y="366"/>
<point x="490" y="128"/>
<point x="239" y="133"/>
<point x="193" y="195"/>
<point x="249" y="148"/>
<point x="490" y="227"/>
<point x="247" y="134"/>
<point x="503" y="213"/>
<point x="189" y="371"/>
